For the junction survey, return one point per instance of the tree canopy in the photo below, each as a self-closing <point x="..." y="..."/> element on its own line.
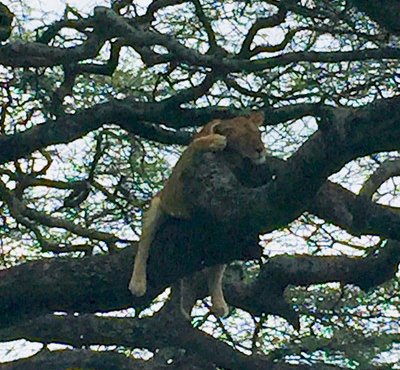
<point x="97" y="105"/>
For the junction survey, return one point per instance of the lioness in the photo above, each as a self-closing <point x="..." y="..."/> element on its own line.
<point x="240" y="135"/>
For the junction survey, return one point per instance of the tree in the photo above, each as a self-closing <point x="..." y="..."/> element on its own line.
<point x="95" y="109"/>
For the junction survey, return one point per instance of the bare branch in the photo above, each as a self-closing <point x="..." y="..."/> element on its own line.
<point x="19" y="210"/>
<point x="206" y="23"/>
<point x="259" y="24"/>
<point x="385" y="171"/>
<point x="155" y="6"/>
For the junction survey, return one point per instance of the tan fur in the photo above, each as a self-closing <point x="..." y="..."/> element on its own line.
<point x="240" y="135"/>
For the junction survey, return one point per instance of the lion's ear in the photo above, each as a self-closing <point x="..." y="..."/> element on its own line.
<point x="257" y="117"/>
<point x="214" y="126"/>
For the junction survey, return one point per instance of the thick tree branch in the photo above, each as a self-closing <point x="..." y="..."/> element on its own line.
<point x="139" y="118"/>
<point x="129" y="114"/>
<point x="365" y="272"/>
<point x="224" y="204"/>
<point x="114" y="26"/>
<point x="265" y="293"/>
<point x="344" y="135"/>
<point x="160" y="331"/>
<point x="118" y="27"/>
<point x="355" y="213"/>
<point x="67" y="359"/>
<point x="99" y="283"/>
<point x="6" y="19"/>
<point x="88" y="329"/>
<point x="35" y="54"/>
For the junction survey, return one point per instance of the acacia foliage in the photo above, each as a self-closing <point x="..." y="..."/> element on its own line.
<point x="97" y="105"/>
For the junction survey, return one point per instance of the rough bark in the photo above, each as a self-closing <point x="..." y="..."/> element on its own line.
<point x="99" y="283"/>
<point x="164" y="330"/>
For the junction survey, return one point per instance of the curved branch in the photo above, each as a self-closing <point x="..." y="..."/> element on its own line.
<point x="136" y="37"/>
<point x="106" y="69"/>
<point x="259" y="24"/>
<point x="155" y="6"/>
<point x="277" y="47"/>
<point x="385" y="171"/>
<point x="206" y="23"/>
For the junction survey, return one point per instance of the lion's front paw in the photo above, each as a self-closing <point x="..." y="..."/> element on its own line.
<point x="217" y="142"/>
<point x="137" y="286"/>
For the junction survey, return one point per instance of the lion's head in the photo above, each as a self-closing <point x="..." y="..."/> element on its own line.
<point x="242" y="134"/>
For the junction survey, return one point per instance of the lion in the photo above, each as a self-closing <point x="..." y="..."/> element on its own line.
<point x="240" y="136"/>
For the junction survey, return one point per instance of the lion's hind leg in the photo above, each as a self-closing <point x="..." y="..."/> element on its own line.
<point x="214" y="276"/>
<point x="153" y="217"/>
